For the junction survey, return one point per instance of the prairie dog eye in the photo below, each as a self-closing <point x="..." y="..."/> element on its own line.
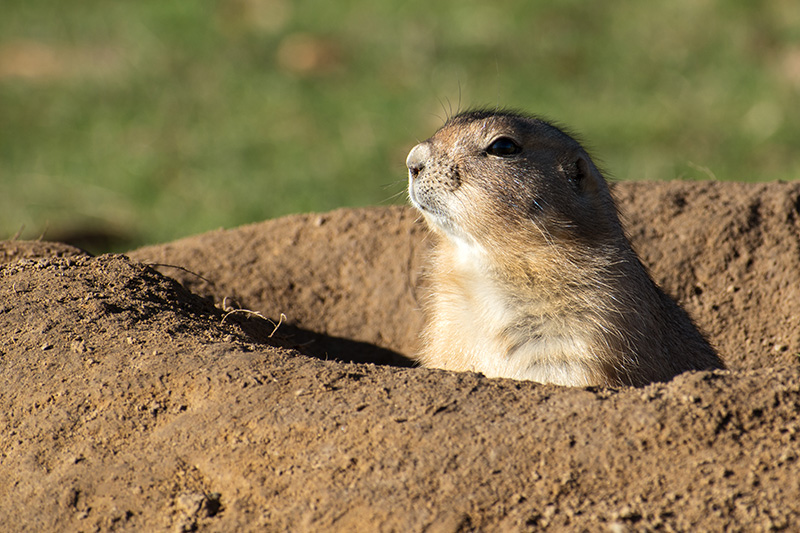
<point x="503" y="147"/>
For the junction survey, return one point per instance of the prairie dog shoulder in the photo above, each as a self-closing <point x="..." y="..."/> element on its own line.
<point x="532" y="276"/>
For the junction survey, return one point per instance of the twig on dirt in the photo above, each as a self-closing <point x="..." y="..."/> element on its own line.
<point x="280" y="321"/>
<point x="705" y="170"/>
<point x="44" y="232"/>
<point x="230" y="310"/>
<point x="18" y="234"/>
<point x="180" y="268"/>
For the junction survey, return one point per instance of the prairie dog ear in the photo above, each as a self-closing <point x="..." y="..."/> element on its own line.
<point x="581" y="173"/>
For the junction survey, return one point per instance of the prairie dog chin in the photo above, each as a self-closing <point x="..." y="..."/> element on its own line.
<point x="532" y="276"/>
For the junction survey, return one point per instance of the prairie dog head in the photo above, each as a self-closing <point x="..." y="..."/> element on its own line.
<point x="495" y="180"/>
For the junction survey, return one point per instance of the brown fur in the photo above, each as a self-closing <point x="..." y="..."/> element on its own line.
<point x="532" y="276"/>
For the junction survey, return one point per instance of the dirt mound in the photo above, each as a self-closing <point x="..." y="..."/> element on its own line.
<point x="133" y="402"/>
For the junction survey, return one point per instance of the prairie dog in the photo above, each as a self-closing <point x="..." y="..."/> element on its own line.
<point x="532" y="276"/>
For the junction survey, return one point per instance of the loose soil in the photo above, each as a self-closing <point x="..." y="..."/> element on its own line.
<point x="153" y="391"/>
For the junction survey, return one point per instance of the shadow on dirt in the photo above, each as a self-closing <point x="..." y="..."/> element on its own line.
<point x="324" y="346"/>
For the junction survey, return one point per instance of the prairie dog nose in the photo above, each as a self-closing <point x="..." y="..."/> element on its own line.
<point x="417" y="158"/>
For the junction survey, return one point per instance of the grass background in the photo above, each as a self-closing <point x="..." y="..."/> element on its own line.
<point x="124" y="123"/>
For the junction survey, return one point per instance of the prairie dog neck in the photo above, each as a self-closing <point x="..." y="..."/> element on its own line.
<point x="503" y="331"/>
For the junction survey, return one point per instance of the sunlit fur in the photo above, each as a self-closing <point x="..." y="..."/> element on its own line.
<point x="532" y="276"/>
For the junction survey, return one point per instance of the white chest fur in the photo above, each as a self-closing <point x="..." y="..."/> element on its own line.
<point x="481" y="327"/>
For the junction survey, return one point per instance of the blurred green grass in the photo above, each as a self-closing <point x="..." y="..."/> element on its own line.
<point x="147" y="121"/>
